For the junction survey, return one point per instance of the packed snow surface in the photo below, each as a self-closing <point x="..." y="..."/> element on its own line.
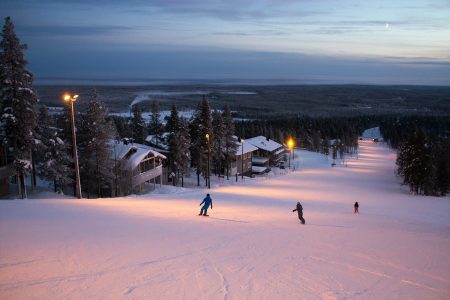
<point x="252" y="246"/>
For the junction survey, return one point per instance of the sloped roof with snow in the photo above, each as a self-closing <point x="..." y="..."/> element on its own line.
<point x="151" y="139"/>
<point x="247" y="148"/>
<point x="263" y="143"/>
<point x="136" y="153"/>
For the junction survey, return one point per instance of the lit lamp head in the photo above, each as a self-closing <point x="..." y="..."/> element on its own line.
<point x="290" y="143"/>
<point x="68" y="97"/>
<point x="207" y="136"/>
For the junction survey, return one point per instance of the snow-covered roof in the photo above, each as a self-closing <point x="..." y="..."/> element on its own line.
<point x="151" y="139"/>
<point x="257" y="169"/>
<point x="263" y="143"/>
<point x="247" y="148"/>
<point x="137" y="152"/>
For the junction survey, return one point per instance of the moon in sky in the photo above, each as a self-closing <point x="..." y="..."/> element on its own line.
<point x="387" y="25"/>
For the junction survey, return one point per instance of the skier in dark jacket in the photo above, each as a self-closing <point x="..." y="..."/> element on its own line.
<point x="299" y="210"/>
<point x="206" y="203"/>
<point x="356" y="206"/>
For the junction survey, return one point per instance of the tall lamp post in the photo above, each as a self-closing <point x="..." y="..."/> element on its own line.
<point x="290" y="146"/>
<point x="241" y="140"/>
<point x="208" y="174"/>
<point x="71" y="99"/>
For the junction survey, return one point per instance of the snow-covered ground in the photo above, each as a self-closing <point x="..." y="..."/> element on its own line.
<point x="251" y="247"/>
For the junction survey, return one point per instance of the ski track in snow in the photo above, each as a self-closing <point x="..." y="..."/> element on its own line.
<point x="251" y="247"/>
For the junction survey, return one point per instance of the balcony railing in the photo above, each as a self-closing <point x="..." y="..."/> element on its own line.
<point x="146" y="176"/>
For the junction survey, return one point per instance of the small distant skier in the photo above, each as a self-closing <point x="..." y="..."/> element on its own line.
<point x="206" y="203"/>
<point x="356" y="206"/>
<point x="299" y="210"/>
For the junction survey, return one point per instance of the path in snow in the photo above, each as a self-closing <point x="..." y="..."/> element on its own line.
<point x="251" y="247"/>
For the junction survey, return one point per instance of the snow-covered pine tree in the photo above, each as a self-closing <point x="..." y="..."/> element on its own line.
<point x="18" y="103"/>
<point x="229" y="139"/>
<point x="173" y="121"/>
<point x="41" y="133"/>
<point x="138" y="125"/>
<point x="122" y="125"/>
<point x="415" y="164"/>
<point x="441" y="158"/>
<point x="197" y="158"/>
<point x="218" y="143"/>
<point x="95" y="146"/>
<point x="155" y="127"/>
<point x="183" y="156"/>
<point x="54" y="161"/>
<point x="199" y="127"/>
<point x="172" y="127"/>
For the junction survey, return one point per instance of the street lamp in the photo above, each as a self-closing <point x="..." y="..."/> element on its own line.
<point x="241" y="140"/>
<point x="290" y="144"/>
<point x="208" y="175"/>
<point x="71" y="99"/>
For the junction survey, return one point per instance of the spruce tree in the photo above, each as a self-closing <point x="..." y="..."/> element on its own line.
<point x="218" y="143"/>
<point x="155" y="127"/>
<point x="415" y="164"/>
<point x="54" y="159"/>
<point x="229" y="138"/>
<point x="182" y="159"/>
<point x="17" y="102"/>
<point x="442" y="170"/>
<point x="95" y="146"/>
<point x="200" y="126"/>
<point x="138" y="125"/>
<point x="173" y="121"/>
<point x="179" y="143"/>
<point x="172" y="128"/>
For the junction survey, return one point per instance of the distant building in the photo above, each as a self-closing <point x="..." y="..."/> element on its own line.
<point x="244" y="157"/>
<point x="269" y="153"/>
<point x="134" y="165"/>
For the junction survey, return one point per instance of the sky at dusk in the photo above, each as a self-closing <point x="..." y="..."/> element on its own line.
<point x="311" y="41"/>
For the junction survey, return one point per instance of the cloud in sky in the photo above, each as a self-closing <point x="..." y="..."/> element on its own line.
<point x="221" y="37"/>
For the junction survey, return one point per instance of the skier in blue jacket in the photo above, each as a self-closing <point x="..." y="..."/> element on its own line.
<point x="206" y="203"/>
